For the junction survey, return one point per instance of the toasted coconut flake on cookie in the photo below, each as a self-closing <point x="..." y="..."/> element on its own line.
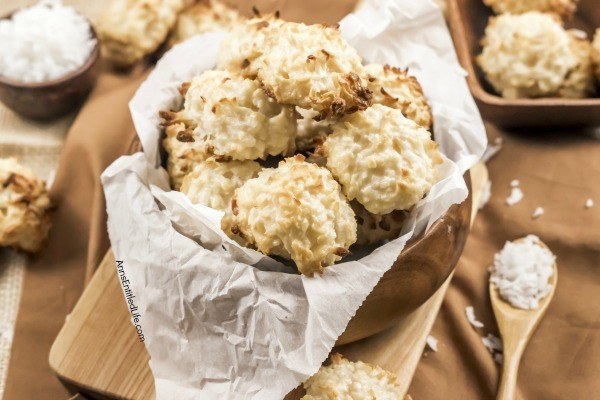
<point x="312" y="67"/>
<point x="296" y="211"/>
<point x="213" y="183"/>
<point x="382" y="159"/>
<point x="563" y="8"/>
<point x="182" y="150"/>
<point x="394" y="87"/>
<point x="132" y="29"/>
<point x="236" y="120"/>
<point x="344" y="379"/>
<point x="245" y="43"/>
<point x="206" y="16"/>
<point x="24" y="205"/>
<point x="531" y="55"/>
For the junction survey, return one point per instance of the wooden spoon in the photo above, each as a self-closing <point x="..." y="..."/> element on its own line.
<point x="516" y="328"/>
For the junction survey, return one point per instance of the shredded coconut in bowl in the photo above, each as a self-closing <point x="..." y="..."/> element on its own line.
<point x="521" y="272"/>
<point x="44" y="42"/>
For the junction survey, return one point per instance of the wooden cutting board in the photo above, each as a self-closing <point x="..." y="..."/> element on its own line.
<point x="98" y="352"/>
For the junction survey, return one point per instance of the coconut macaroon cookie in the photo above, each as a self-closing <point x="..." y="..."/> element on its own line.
<point x="183" y="152"/>
<point x="24" y="205"/>
<point x="245" y="43"/>
<point x="596" y="54"/>
<point x="206" y="16"/>
<point x="344" y="379"/>
<point x="563" y="8"/>
<point x="531" y="55"/>
<point x="296" y="211"/>
<point x="131" y="29"/>
<point x="382" y="159"/>
<point x="235" y="119"/>
<point x="312" y="67"/>
<point x="213" y="183"/>
<point x="580" y="80"/>
<point x="393" y="87"/>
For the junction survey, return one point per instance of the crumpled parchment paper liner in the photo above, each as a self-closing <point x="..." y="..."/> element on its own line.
<point x="225" y="322"/>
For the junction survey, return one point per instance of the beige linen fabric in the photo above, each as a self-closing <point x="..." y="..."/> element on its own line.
<point x="37" y="145"/>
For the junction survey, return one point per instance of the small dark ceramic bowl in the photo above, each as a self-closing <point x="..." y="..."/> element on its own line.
<point x="51" y="99"/>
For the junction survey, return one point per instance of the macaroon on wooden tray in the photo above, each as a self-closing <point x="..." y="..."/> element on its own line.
<point x="467" y="20"/>
<point x="98" y="352"/>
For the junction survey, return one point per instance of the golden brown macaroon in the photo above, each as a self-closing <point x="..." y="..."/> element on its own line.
<point x="131" y="29"/>
<point x="205" y="16"/>
<point x="564" y="8"/>
<point x="382" y="159"/>
<point x="213" y="184"/>
<point x="245" y="43"/>
<point x="296" y="211"/>
<point x="24" y="206"/>
<point x="347" y="380"/>
<point x="312" y="67"/>
<point x="531" y="55"/>
<point x="235" y="119"/>
<point x="394" y="87"/>
<point x="183" y="151"/>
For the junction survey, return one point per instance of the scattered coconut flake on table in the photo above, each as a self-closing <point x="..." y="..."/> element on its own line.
<point x="432" y="343"/>
<point x="589" y="203"/>
<point x="499" y="358"/>
<point x="470" y="311"/>
<point x="516" y="195"/>
<point x="492" y="149"/>
<point x="514" y="183"/>
<point x="34" y="50"/>
<point x="486" y="194"/>
<point x="521" y="272"/>
<point x="492" y="343"/>
<point x="538" y="212"/>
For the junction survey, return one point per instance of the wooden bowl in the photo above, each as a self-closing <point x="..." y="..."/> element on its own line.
<point x="420" y="270"/>
<point x="53" y="98"/>
<point x="468" y="19"/>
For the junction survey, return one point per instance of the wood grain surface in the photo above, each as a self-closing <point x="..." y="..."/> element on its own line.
<point x="517" y="327"/>
<point x="98" y="352"/>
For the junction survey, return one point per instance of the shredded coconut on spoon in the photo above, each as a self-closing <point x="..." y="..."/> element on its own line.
<point x="44" y="42"/>
<point x="521" y="272"/>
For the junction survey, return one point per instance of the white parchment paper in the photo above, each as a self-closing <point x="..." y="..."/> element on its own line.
<point x="224" y="322"/>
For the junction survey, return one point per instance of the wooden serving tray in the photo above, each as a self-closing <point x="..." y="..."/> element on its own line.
<point x="98" y="352"/>
<point x="467" y="20"/>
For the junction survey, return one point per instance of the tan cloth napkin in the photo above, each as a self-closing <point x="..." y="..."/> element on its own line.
<point x="557" y="171"/>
